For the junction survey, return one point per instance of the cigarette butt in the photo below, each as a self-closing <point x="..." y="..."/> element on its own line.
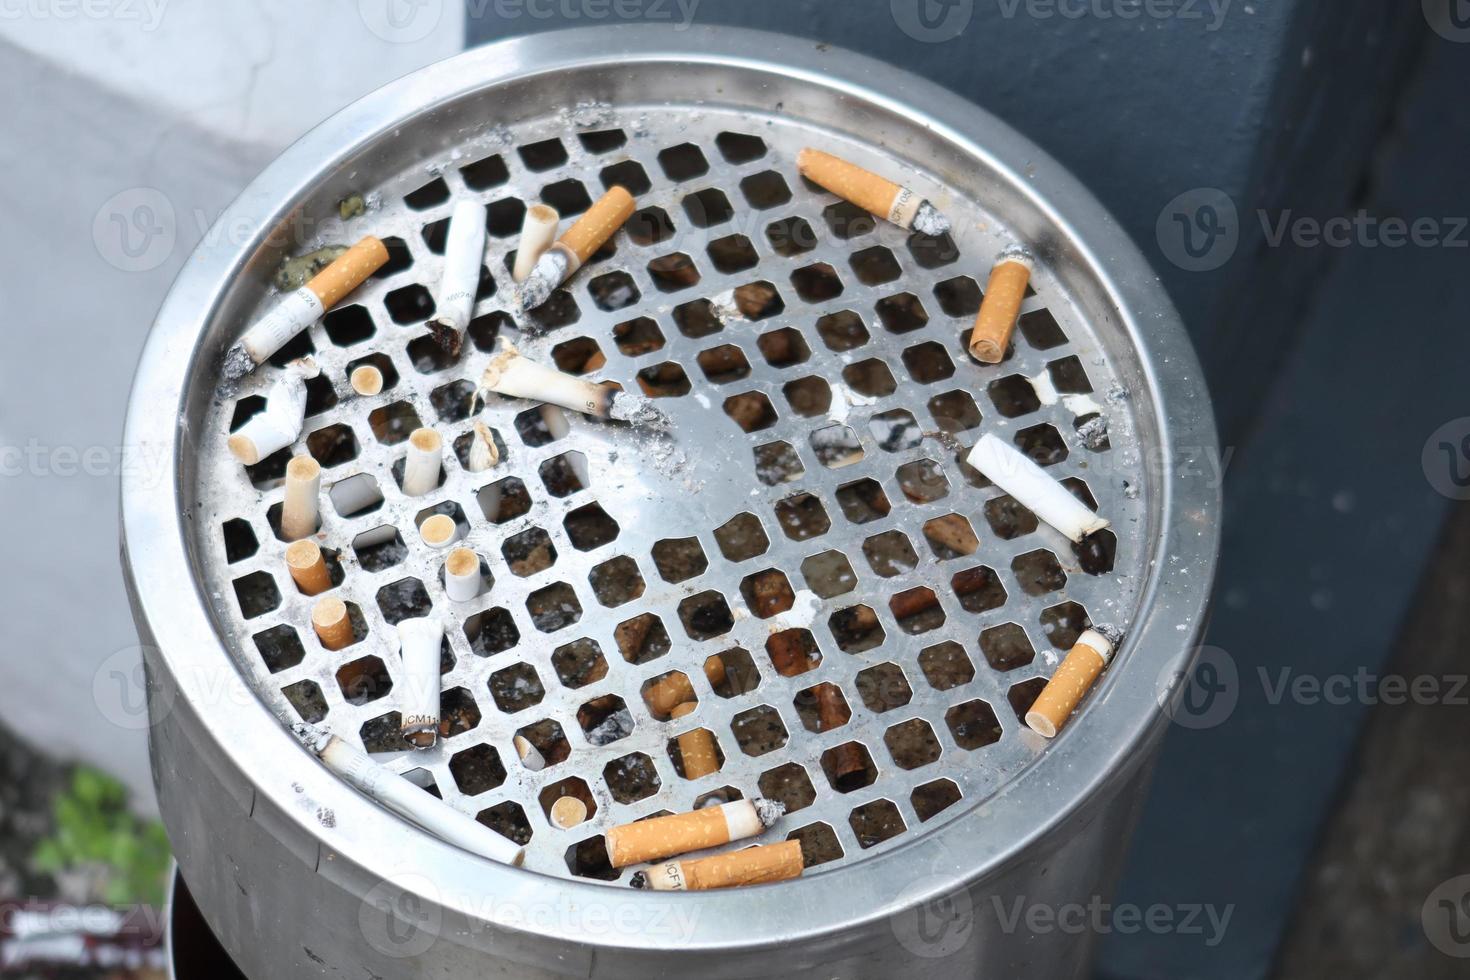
<point x="750" y="866"/>
<point x="530" y="756"/>
<point x="484" y="454"/>
<point x="568" y="812"/>
<point x="421" y="468"/>
<point x="464" y="250"/>
<point x="332" y="623"/>
<point x="1010" y="469"/>
<point x="308" y="568"/>
<point x="590" y="231"/>
<point x="1070" y="684"/>
<point x="683" y="833"/>
<point x="301" y="510"/>
<point x="876" y="195"/>
<point x="419" y="640"/>
<point x="670" y="692"/>
<point x="996" y="320"/>
<point x="462" y="575"/>
<point x="366" y="380"/>
<point x="538" y="231"/>
<point x="696" y="748"/>
<point x="276" y="427"/>
<point x="439" y="531"/>
<point x="514" y="375"/>
<point x="349" y="271"/>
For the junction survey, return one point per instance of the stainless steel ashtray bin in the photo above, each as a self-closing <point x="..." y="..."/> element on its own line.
<point x="812" y="364"/>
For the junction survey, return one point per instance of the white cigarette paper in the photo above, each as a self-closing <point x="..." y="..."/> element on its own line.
<point x="285" y="320"/>
<point x="421" y="469"/>
<point x="538" y="231"/>
<point x="464" y="249"/>
<point x="511" y="374"/>
<point x="1009" y="469"/>
<point x="483" y="452"/>
<point x="408" y="800"/>
<point x="280" y="424"/>
<point x="418" y="643"/>
<point x="462" y="575"/>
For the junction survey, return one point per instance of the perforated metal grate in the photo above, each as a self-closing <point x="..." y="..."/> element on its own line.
<point x="882" y="613"/>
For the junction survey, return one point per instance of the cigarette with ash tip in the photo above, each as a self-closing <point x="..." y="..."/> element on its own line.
<point x="683" y="833"/>
<point x="751" y="866"/>
<point x="996" y="320"/>
<point x="574" y="248"/>
<point x="1009" y="469"/>
<point x="406" y="799"/>
<point x="538" y="231"/>
<point x="419" y="640"/>
<point x="876" y="195"/>
<point x="280" y="424"/>
<point x="304" y="307"/>
<point x="1073" y="679"/>
<point x="513" y="374"/>
<point x="464" y="250"/>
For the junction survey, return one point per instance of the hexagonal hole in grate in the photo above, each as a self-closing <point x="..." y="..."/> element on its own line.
<point x="871" y="377"/>
<point x="979" y="589"/>
<point x="667" y="691"/>
<point x="306" y="700"/>
<point x="875" y="822"/>
<point x="917" y="610"/>
<point x="928" y="362"/>
<point x="793" y="651"/>
<point x="477" y="770"/>
<point x="789" y="785"/>
<point x="629" y="174"/>
<point x="588" y="859"/>
<point x="380" y="548"/>
<point x="589" y="527"/>
<point x="890" y="553"/>
<point x="565" y="474"/>
<point x="240" y="540"/>
<point x="572" y="786"/>
<point x="613" y="291"/>
<point x="759" y="730"/>
<point x="951" y="536"/>
<point x="392" y="424"/>
<point x="485" y="174"/>
<point x="808" y="396"/>
<point x="666" y="380"/>
<point x="740" y="538"/>
<point x="649" y="226"/>
<point x="776" y="463"/>
<point x="1023" y="695"/>
<point x="767" y="593"/>
<point x="529" y="552"/>
<point x="349" y="325"/>
<point x="638" y="336"/>
<point x="516" y="688"/>
<point x="802" y="516"/>
<point x="863" y="501"/>
<point x="706" y="615"/>
<point x="504" y="500"/>
<point x="829" y="574"/>
<point x="697" y="319"/>
<point x="783" y="348"/>
<point x="733" y="253"/>
<point x="819" y="844"/>
<point x="884" y="687"/>
<point x="912" y="744"/>
<point x="765" y="190"/>
<point x="578" y="356"/>
<point x="902" y="313"/>
<point x="458" y="712"/>
<point x="549" y="741"/>
<point x="856" y="629"/>
<point x="732" y="673"/>
<point x="683" y="162"/>
<point x="279" y="647"/>
<point x="504" y="217"/>
<point x="932" y="798"/>
<point x="642" y="638"/>
<point x="257" y="594"/>
<point x="1097" y="552"/>
<point x="738" y="148"/>
<point x="849" y="767"/>
<point x="946" y="665"/>
<point x="508" y="820"/>
<point x="579" y="663"/>
<point x="954" y="411"/>
<point x="382" y="734"/>
<point x="430" y="194"/>
<point x="724" y="364"/>
<point x="553" y="607"/>
<point x="605" y="720"/>
<point x="896" y="430"/>
<point x="568" y="196"/>
<point x="1038" y="572"/>
<point x="708" y="208"/>
<point x="1006" y="647"/>
<point x="1042" y="443"/>
<point x="1014" y="396"/>
<point x="973" y="725"/>
<point x="616" y="581"/>
<point x="752" y="411"/>
<point x="364" y="679"/>
<point x="409" y="304"/>
<point x="846" y="220"/>
<point x="490" y="632"/>
<point x="543" y="155"/>
<point x="333" y="445"/>
<point x="817" y="283"/>
<point x="561" y="310"/>
<point x="791" y="236"/>
<point x="1008" y="518"/>
<point x="631" y="778"/>
<point x="837" y="445"/>
<point x="822" y="707"/>
<point x="1064" y="623"/>
<point x="1041" y="330"/>
<point x="958" y="297"/>
<point x="922" y="481"/>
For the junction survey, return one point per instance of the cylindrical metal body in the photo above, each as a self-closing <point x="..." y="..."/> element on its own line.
<point x="298" y="874"/>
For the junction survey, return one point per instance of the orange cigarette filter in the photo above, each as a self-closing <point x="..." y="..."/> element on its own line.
<point x="670" y="692"/>
<point x="996" y="320"/>
<point x="1070" y="684"/>
<point x="307" y="567"/>
<point x="751" y="866"/>
<point x="696" y="748"/>
<point x="332" y="624"/>
<point x="681" y="833"/>
<point x="595" y="227"/>
<point x="349" y="271"/>
<point x="874" y="194"/>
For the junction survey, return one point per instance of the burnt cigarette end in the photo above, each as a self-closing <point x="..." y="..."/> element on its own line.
<point x="929" y="221"/>
<point x="769" y="811"/>
<point x="237" y="364"/>
<point x="549" y="272"/>
<point x="446" y="336"/>
<point x="639" y="880"/>
<point x="1112" y="634"/>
